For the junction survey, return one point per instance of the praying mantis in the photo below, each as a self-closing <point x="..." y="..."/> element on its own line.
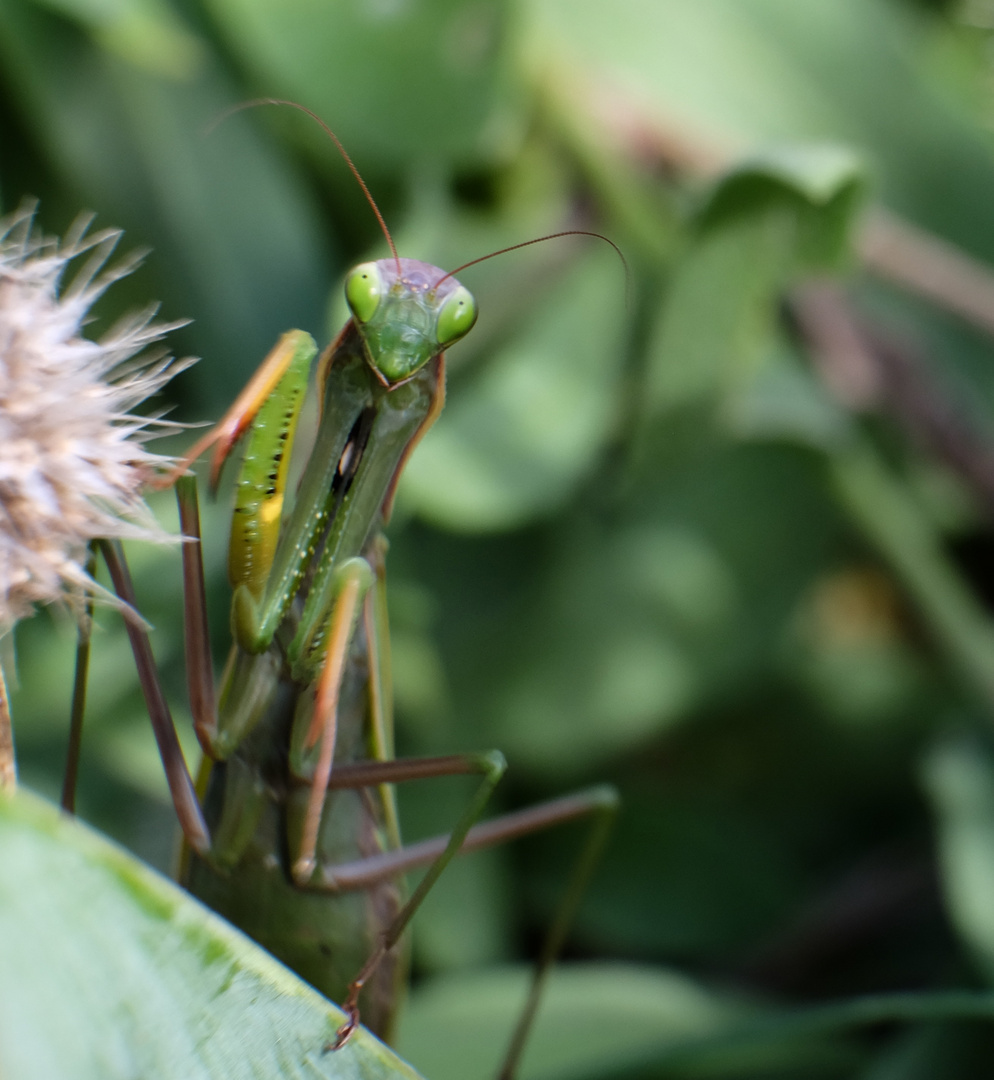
<point x="291" y="829"/>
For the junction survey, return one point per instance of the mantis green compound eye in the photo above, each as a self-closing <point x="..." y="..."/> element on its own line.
<point x="456" y="317"/>
<point x="363" y="288"/>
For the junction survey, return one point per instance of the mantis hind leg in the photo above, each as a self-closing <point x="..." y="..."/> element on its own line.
<point x="79" y="693"/>
<point x="597" y="805"/>
<point x="181" y="787"/>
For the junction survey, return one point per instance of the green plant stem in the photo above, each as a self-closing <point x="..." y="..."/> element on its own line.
<point x="911" y="543"/>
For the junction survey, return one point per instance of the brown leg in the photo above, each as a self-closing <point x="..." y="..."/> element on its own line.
<point x="599" y="805"/>
<point x="8" y="764"/>
<point x="79" y="693"/>
<point x="196" y="635"/>
<point x="181" y="787"/>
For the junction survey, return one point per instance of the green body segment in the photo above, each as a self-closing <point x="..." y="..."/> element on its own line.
<point x="255" y="805"/>
<point x="287" y="571"/>
<point x="389" y="420"/>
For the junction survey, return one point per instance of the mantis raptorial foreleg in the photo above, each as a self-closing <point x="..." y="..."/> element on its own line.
<point x="294" y="349"/>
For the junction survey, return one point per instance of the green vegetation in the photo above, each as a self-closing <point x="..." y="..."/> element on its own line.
<point x="722" y="539"/>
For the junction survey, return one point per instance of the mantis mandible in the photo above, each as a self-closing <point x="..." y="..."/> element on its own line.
<point x="297" y="840"/>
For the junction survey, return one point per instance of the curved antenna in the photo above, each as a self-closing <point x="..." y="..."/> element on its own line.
<point x="540" y="240"/>
<point x="256" y="102"/>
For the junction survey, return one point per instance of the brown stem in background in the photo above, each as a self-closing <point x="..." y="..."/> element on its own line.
<point x="840" y="352"/>
<point x="8" y="764"/>
<point x="866" y="368"/>
<point x="928" y="266"/>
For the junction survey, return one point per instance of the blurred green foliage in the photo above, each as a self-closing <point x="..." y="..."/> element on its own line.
<point x="651" y="540"/>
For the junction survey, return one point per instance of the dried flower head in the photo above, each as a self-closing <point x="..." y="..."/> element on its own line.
<point x="73" y="458"/>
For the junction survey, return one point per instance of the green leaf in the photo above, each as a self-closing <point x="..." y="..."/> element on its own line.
<point x="148" y="33"/>
<point x="593" y="1017"/>
<point x="717" y="315"/>
<point x="959" y="778"/>
<point x="785" y="401"/>
<point x="764" y="223"/>
<point x="613" y="1020"/>
<point x="822" y="185"/>
<point x="111" y="971"/>
<point x="819" y="173"/>
<point x="395" y="80"/>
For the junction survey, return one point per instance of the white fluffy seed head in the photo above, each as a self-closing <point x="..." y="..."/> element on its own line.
<point x="73" y="458"/>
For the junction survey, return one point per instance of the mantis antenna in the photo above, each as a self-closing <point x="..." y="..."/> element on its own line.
<point x="256" y="102"/>
<point x="540" y="240"/>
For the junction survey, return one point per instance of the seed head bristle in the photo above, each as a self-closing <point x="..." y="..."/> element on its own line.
<point x="73" y="455"/>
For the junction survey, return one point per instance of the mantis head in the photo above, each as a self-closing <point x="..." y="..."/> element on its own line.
<point x="406" y="312"/>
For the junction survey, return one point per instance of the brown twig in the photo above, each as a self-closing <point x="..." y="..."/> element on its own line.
<point x="841" y="355"/>
<point x="928" y="266"/>
<point x="866" y="368"/>
<point x="8" y="764"/>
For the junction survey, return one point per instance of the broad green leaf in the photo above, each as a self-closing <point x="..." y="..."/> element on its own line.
<point x="718" y="315"/>
<point x="613" y="1021"/>
<point x="766" y="221"/>
<point x="109" y="970"/>
<point x="148" y="33"/>
<point x="785" y="401"/>
<point x="594" y="1020"/>
<point x="395" y="80"/>
<point x="959" y="778"/>
<point x="822" y="184"/>
<point x="820" y="173"/>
